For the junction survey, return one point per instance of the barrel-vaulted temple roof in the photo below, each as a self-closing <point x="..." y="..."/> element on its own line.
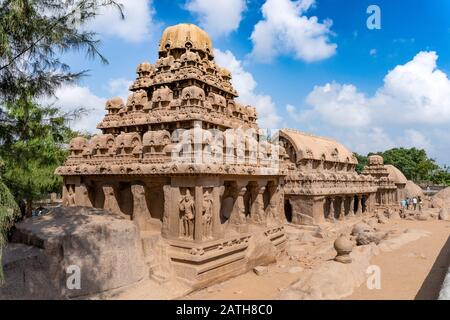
<point x="308" y="146"/>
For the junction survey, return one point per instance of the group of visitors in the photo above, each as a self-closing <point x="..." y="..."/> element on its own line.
<point x="413" y="203"/>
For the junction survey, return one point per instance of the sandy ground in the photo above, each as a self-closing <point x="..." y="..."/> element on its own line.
<point x="413" y="271"/>
<point x="417" y="269"/>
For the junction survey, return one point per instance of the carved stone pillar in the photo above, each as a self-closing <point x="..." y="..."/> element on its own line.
<point x="82" y="196"/>
<point x="272" y="213"/>
<point x="198" y="229"/>
<point x="216" y="195"/>
<point x="238" y="214"/>
<point x="257" y="208"/>
<point x="342" y="212"/>
<point x="141" y="215"/>
<point x="111" y="202"/>
<point x="351" y="211"/>
<point x="331" y="213"/>
<point x="359" y="209"/>
<point x="168" y="205"/>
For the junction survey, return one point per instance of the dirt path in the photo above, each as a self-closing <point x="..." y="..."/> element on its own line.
<point x="417" y="269"/>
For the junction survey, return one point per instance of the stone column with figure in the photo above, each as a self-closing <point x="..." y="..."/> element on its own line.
<point x="186" y="207"/>
<point x="332" y="211"/>
<point x="207" y="216"/>
<point x="141" y="214"/>
<point x="111" y="202"/>
<point x="342" y="212"/>
<point x="359" y="204"/>
<point x="82" y="196"/>
<point x="351" y="210"/>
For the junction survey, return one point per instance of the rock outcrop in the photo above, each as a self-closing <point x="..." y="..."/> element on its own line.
<point x="50" y="251"/>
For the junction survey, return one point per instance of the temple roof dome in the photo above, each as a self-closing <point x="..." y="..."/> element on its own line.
<point x="185" y="35"/>
<point x="395" y="174"/>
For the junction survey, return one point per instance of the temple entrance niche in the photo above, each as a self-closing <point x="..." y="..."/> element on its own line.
<point x="125" y="198"/>
<point x="155" y="199"/>
<point x="356" y="203"/>
<point x="326" y="208"/>
<point x="88" y="190"/>
<point x="249" y="198"/>
<point x="227" y="202"/>
<point x="288" y="210"/>
<point x="99" y="200"/>
<point x="363" y="203"/>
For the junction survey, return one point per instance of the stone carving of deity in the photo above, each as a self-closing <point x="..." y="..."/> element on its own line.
<point x="207" y="215"/>
<point x="187" y="215"/>
<point x="70" y="196"/>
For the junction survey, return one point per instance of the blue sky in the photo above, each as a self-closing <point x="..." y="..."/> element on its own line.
<point x="309" y="65"/>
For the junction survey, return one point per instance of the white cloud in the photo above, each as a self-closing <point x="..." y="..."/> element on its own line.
<point x="72" y="97"/>
<point x="286" y="30"/>
<point x="136" y="27"/>
<point x="119" y="87"/>
<point x="373" y="52"/>
<point x="218" y="17"/>
<point x="413" y="101"/>
<point x="245" y="85"/>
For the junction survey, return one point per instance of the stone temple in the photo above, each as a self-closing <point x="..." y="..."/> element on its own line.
<point x="190" y="165"/>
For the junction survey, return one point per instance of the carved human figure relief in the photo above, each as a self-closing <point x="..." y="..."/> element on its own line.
<point x="207" y="215"/>
<point x="187" y="215"/>
<point x="70" y="196"/>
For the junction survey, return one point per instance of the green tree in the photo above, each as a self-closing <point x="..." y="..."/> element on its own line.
<point x="8" y="212"/>
<point x="414" y="163"/>
<point x="33" y="146"/>
<point x="362" y="162"/>
<point x="34" y="35"/>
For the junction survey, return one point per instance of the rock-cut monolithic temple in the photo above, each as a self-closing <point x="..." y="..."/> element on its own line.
<point x="189" y="164"/>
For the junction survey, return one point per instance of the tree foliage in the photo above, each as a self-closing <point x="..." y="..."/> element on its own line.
<point x="34" y="34"/>
<point x="33" y="138"/>
<point x="8" y="212"/>
<point x="414" y="163"/>
<point x="362" y="162"/>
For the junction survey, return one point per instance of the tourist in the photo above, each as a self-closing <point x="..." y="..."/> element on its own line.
<point x="407" y="203"/>
<point x="420" y="203"/>
<point x="414" y="201"/>
<point x="403" y="203"/>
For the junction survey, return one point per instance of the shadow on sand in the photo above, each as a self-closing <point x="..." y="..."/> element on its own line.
<point x="432" y="285"/>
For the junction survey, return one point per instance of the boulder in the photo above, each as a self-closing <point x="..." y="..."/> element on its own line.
<point x="437" y="203"/>
<point x="105" y="248"/>
<point x="260" y="270"/>
<point x="441" y="199"/>
<point x="423" y="216"/>
<point x="382" y="218"/>
<point x="361" y="227"/>
<point x="373" y="222"/>
<point x="261" y="251"/>
<point x="365" y="238"/>
<point x="444" y="215"/>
